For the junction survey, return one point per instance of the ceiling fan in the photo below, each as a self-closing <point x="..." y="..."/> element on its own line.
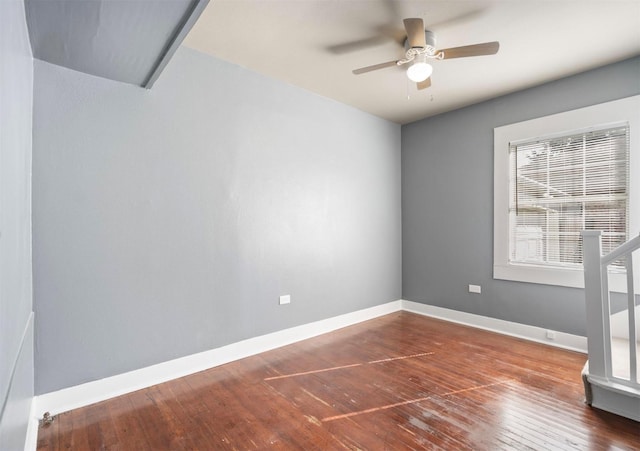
<point x="421" y="46"/>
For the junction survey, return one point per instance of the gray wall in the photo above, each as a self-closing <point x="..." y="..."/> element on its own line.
<point x="16" y="325"/>
<point x="448" y="232"/>
<point x="168" y="222"/>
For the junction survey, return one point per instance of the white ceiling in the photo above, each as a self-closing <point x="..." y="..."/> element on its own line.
<point x="298" y="41"/>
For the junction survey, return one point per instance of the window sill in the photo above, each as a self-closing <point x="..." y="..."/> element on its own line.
<point x="562" y="277"/>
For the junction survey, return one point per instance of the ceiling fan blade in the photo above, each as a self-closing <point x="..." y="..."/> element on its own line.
<point x="415" y="32"/>
<point x="424" y="84"/>
<point x="363" y="70"/>
<point x="486" y="48"/>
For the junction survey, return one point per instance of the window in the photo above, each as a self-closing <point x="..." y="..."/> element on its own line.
<point x="560" y="186"/>
<point x="558" y="175"/>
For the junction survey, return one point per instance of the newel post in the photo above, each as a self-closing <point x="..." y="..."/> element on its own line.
<point x="594" y="302"/>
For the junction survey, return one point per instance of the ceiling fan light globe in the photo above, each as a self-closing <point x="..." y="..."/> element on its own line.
<point x="419" y="71"/>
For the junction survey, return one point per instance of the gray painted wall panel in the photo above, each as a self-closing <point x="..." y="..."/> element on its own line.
<point x="168" y="222"/>
<point x="448" y="231"/>
<point x="115" y="39"/>
<point x="16" y="347"/>
<point x="15" y="418"/>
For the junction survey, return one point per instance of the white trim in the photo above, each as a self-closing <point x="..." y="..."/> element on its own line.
<point x="617" y="111"/>
<point x="524" y="331"/>
<point x="564" y="277"/>
<point x="615" y="398"/>
<point x="31" y="442"/>
<point x="100" y="390"/>
<point x="28" y="330"/>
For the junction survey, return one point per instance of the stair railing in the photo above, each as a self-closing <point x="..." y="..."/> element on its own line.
<point x="598" y="309"/>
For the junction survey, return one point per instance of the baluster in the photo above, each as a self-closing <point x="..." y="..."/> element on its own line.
<point x="633" y="364"/>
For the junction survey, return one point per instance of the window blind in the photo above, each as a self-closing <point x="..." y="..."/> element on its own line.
<point x="562" y="185"/>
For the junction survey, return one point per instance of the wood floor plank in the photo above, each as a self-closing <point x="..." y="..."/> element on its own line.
<point x="402" y="381"/>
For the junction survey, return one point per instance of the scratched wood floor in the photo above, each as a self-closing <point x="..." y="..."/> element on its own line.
<point x="402" y="381"/>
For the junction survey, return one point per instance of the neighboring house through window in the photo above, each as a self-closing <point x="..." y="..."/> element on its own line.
<point x="558" y="175"/>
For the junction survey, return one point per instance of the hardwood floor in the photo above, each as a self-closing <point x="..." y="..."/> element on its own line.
<point x="402" y="381"/>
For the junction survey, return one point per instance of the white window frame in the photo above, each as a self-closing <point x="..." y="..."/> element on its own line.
<point x="592" y="117"/>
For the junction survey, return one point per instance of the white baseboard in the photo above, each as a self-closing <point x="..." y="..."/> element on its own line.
<point x="524" y="331"/>
<point x="96" y="391"/>
<point x="100" y="390"/>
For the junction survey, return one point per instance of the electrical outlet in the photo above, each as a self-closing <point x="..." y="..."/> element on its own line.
<point x="551" y="335"/>
<point x="475" y="289"/>
<point x="285" y="299"/>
